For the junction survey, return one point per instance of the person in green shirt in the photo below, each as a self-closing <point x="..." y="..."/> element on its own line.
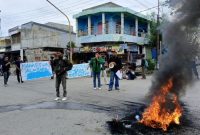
<point x="95" y="64"/>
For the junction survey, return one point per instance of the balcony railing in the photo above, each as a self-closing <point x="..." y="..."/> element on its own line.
<point x="118" y="31"/>
<point x="82" y="33"/>
<point x="142" y="34"/>
<point x="112" y="38"/>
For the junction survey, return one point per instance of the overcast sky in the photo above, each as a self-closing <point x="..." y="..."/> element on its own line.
<point x="17" y="12"/>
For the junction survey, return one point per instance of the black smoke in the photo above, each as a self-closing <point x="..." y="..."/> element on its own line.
<point x="180" y="35"/>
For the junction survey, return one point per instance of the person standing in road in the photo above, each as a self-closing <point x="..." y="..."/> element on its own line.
<point x="61" y="66"/>
<point x="1" y="62"/>
<point x="117" y="65"/>
<point x="143" y="65"/>
<point x="89" y="67"/>
<point x="194" y="67"/>
<point x="95" y="64"/>
<point x="52" y="66"/>
<point x="104" y="72"/>
<point x="18" y="70"/>
<point x="6" y="70"/>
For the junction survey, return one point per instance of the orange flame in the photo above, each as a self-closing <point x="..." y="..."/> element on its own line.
<point x="157" y="115"/>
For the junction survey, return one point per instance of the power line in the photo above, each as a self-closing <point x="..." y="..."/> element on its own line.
<point x="151" y="8"/>
<point x="52" y="16"/>
<point x="75" y="5"/>
<point x="72" y="12"/>
<point x="141" y="4"/>
<point x="149" y="2"/>
<point x="41" y="10"/>
<point x="27" y="11"/>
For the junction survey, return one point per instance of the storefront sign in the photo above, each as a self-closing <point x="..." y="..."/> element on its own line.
<point x="117" y="48"/>
<point x="133" y="48"/>
<point x="82" y="49"/>
<point x="94" y="49"/>
<point x="123" y="46"/>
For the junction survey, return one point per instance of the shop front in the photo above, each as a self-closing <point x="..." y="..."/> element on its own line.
<point x="40" y="54"/>
<point x="84" y="54"/>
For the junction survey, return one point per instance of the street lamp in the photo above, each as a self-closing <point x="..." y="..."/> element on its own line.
<point x="69" y="28"/>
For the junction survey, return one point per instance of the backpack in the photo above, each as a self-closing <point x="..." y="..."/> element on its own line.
<point x="146" y="63"/>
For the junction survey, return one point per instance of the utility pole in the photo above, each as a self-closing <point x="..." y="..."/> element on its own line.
<point x="69" y="28"/>
<point x="158" y="37"/>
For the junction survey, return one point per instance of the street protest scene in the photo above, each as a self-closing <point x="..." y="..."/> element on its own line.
<point x="106" y="67"/>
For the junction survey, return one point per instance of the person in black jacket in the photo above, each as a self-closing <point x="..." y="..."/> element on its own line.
<point x="61" y="66"/>
<point x="52" y="66"/>
<point x="117" y="66"/>
<point x="6" y="70"/>
<point x="18" y="70"/>
<point x="130" y="73"/>
<point x="143" y="66"/>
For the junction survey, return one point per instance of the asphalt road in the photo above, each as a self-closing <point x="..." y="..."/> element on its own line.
<point x="29" y="108"/>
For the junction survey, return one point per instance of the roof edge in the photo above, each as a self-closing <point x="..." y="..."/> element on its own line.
<point x="35" y="23"/>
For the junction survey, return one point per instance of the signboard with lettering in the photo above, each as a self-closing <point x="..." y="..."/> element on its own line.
<point x="35" y="70"/>
<point x="79" y="70"/>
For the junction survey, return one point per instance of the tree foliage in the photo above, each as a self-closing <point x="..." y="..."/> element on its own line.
<point x="72" y="44"/>
<point x="153" y="31"/>
<point x="155" y="27"/>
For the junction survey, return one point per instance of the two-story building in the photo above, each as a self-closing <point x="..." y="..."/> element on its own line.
<point x="110" y="27"/>
<point x="38" y="41"/>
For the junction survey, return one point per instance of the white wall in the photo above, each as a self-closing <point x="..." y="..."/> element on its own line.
<point x="36" y="36"/>
<point x="15" y="47"/>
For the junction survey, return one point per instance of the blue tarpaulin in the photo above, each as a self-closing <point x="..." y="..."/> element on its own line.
<point x="35" y="70"/>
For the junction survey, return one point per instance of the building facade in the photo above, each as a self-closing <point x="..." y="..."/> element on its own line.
<point x="39" y="41"/>
<point x="113" y="27"/>
<point x="5" y="44"/>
